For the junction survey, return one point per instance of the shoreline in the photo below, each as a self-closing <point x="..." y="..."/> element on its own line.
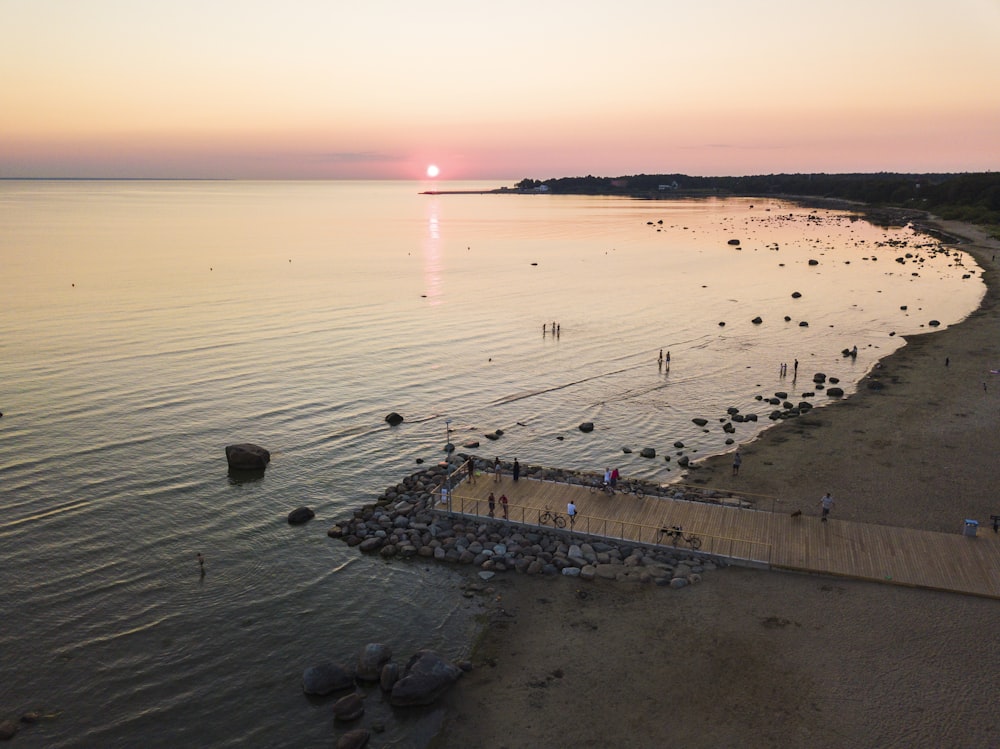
<point x="885" y="450"/>
<point x="769" y="658"/>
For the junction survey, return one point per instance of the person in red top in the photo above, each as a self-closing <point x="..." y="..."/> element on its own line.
<point x="503" y="505"/>
<point x="614" y="478"/>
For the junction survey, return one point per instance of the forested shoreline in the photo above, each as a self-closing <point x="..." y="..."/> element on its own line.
<point x="970" y="197"/>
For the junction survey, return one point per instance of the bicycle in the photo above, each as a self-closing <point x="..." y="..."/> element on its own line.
<point x="677" y="533"/>
<point x="549" y="516"/>
<point x="602" y="486"/>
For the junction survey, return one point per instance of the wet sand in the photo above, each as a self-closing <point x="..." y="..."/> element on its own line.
<point x="759" y="658"/>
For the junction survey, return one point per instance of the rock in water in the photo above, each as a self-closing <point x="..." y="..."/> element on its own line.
<point x="353" y="739"/>
<point x="394" y="419"/>
<point x="326" y="677"/>
<point x="247" y="457"/>
<point x="300" y="515"/>
<point x="372" y="657"/>
<point x="425" y="678"/>
<point x="348" y="708"/>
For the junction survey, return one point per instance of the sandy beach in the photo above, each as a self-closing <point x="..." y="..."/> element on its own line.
<point x="762" y="658"/>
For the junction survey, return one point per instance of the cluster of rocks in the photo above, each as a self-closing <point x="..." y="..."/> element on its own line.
<point x="405" y="523"/>
<point x="9" y="728"/>
<point x="423" y="679"/>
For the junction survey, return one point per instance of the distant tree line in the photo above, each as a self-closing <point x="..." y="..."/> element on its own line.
<point x="970" y="197"/>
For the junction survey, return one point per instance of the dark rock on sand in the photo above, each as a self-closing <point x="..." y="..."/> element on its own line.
<point x="326" y="678"/>
<point x="247" y="457"/>
<point x="757" y="320"/>
<point x="835" y="392"/>
<point x="734" y="242"/>
<point x="300" y="515"/>
<point x="426" y="676"/>
<point x="394" y="419"/>
<point x="587" y="426"/>
<point x="796" y="295"/>
<point x="647" y="452"/>
<point x="700" y="421"/>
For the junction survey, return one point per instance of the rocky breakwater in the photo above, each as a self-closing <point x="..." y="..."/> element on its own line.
<point x="404" y="523"/>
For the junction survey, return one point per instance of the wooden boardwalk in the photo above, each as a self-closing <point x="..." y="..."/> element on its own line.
<point x="902" y="556"/>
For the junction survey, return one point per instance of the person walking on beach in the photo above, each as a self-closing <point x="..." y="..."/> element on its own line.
<point x="492" y="502"/>
<point x="660" y="360"/>
<point x="496" y="469"/>
<point x="517" y="470"/>
<point x="571" y="511"/>
<point x="826" y="502"/>
<point x="503" y="505"/>
<point x="737" y="462"/>
<point x="795" y="369"/>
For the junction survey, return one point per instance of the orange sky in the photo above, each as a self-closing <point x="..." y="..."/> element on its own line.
<point x="314" y="89"/>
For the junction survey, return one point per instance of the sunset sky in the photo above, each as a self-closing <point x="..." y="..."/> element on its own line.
<point x="383" y="88"/>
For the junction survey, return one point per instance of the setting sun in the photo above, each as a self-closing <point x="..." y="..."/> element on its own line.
<point x="433" y="171"/>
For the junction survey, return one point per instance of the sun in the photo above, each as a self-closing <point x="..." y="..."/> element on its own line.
<point x="433" y="171"/>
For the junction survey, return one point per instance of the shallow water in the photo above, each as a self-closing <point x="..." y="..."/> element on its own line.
<point x="146" y="325"/>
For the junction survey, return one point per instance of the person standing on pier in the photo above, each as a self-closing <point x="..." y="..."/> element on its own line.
<point x="571" y="511"/>
<point x="517" y="470"/>
<point x="496" y="469"/>
<point x="503" y="505"/>
<point x="492" y="502"/>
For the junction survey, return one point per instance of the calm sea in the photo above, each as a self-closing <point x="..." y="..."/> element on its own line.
<point x="145" y="325"/>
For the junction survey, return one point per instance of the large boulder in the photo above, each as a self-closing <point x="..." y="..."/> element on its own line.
<point x="247" y="457"/>
<point x="326" y="677"/>
<point x="648" y="452"/>
<point x="426" y="676"/>
<point x="300" y="515"/>
<point x="372" y="657"/>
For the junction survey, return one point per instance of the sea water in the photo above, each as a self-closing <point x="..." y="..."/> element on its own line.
<point x="146" y="325"/>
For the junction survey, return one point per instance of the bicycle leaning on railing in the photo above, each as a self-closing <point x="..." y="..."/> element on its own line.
<point x="601" y="486"/>
<point x="677" y="533"/>
<point x="549" y="516"/>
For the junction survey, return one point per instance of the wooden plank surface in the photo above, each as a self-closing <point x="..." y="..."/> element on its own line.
<point x="902" y="556"/>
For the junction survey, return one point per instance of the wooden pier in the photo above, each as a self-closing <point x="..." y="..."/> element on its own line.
<point x="755" y="537"/>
